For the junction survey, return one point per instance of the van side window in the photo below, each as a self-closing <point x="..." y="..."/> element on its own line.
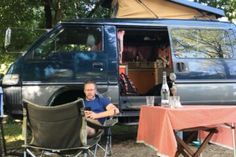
<point x="201" y="43"/>
<point x="67" y="54"/>
<point x="70" y="39"/>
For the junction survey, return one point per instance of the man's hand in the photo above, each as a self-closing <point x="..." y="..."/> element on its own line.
<point x="91" y="114"/>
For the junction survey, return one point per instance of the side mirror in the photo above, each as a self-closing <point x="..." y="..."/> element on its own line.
<point x="7" y="40"/>
<point x="11" y="79"/>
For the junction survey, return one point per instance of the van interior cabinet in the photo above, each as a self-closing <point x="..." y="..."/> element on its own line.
<point x="143" y="76"/>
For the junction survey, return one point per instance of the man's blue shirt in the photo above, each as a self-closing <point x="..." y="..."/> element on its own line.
<point x="98" y="105"/>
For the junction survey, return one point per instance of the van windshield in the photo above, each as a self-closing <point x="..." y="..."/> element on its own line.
<point x="201" y="43"/>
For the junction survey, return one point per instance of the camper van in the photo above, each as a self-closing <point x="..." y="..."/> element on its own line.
<point x="126" y="57"/>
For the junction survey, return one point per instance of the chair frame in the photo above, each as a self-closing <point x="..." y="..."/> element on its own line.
<point x="108" y="124"/>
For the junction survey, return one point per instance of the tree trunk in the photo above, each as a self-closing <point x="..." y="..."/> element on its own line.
<point x="48" y="13"/>
<point x="58" y="12"/>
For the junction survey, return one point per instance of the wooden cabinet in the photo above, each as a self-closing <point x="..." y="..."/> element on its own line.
<point x="145" y="75"/>
<point x="143" y="79"/>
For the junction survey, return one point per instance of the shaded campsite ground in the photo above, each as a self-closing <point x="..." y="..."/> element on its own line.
<point x="124" y="143"/>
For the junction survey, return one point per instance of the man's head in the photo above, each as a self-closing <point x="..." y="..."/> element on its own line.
<point x="90" y="89"/>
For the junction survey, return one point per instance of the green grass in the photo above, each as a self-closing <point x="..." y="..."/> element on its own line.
<point x="13" y="136"/>
<point x="123" y="129"/>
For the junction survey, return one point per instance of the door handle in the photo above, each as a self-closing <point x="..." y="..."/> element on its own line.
<point x="98" y="65"/>
<point x="181" y="66"/>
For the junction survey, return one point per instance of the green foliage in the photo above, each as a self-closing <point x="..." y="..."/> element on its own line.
<point x="229" y="6"/>
<point x="27" y="20"/>
<point x="67" y="10"/>
<point x="17" y="14"/>
<point x="22" y="39"/>
<point x="22" y="13"/>
<point x="6" y="60"/>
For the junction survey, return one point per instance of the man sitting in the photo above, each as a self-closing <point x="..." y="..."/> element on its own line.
<point x="97" y="108"/>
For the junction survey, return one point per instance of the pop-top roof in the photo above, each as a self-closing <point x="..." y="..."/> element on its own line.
<point x="218" y="12"/>
<point x="186" y="3"/>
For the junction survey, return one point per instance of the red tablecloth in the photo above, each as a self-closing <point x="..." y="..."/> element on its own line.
<point x="156" y="124"/>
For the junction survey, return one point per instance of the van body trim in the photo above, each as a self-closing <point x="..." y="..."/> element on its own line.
<point x="65" y="83"/>
<point x="204" y="81"/>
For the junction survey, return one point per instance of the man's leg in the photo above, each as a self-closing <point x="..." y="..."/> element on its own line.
<point x="90" y="131"/>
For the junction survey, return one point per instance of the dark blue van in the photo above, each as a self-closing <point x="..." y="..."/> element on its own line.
<point x="126" y="57"/>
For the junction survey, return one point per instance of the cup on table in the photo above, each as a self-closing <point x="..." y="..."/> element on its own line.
<point x="175" y="101"/>
<point x="171" y="102"/>
<point x="150" y="100"/>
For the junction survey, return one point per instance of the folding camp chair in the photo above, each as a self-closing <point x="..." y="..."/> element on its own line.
<point x="57" y="130"/>
<point x="108" y="124"/>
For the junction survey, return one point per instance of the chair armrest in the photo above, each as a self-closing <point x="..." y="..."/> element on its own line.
<point x="110" y="122"/>
<point x="95" y="124"/>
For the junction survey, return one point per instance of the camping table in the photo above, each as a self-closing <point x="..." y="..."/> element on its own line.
<point x="157" y="124"/>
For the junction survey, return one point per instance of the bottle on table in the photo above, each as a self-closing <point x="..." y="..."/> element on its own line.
<point x="165" y="92"/>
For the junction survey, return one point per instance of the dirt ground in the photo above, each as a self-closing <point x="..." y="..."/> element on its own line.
<point x="131" y="149"/>
<point x="124" y="145"/>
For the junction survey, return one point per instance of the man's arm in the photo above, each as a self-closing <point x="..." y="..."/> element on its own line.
<point x="111" y="110"/>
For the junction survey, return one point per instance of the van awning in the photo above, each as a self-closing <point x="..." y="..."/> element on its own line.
<point x="176" y="9"/>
